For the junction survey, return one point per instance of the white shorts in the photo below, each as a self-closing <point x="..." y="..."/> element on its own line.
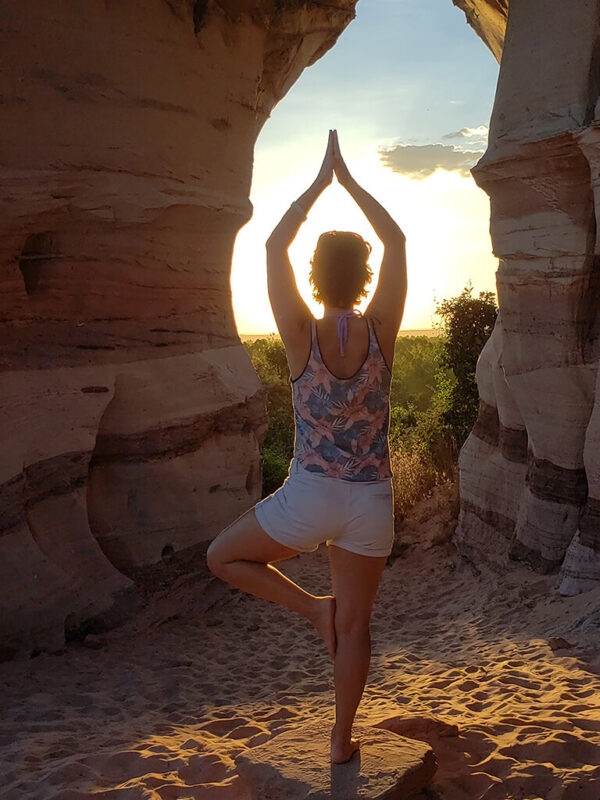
<point x="310" y="509"/>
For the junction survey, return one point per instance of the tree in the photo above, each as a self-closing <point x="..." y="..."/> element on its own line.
<point x="467" y="323"/>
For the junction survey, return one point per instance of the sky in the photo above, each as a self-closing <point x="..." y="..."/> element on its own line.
<point x="409" y="87"/>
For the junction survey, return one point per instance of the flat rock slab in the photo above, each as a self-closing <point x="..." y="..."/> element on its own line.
<point x="295" y="765"/>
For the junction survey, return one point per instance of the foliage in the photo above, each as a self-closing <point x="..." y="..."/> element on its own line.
<point x="417" y="361"/>
<point x="467" y="323"/>
<point x="269" y="360"/>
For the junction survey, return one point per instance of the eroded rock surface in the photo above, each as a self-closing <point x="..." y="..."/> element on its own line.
<point x="488" y="20"/>
<point x="530" y="471"/>
<point x="295" y="765"/>
<point x="131" y="416"/>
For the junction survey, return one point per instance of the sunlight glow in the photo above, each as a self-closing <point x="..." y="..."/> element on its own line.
<point x="445" y="218"/>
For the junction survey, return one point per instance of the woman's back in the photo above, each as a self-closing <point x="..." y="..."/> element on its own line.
<point x="355" y="347"/>
<point x="342" y="417"/>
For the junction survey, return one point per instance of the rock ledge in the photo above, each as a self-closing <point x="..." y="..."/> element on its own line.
<point x="295" y="766"/>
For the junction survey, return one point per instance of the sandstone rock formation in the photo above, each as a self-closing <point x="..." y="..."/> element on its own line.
<point x="530" y="471"/>
<point x="488" y="20"/>
<point x="130" y="415"/>
<point x="291" y="765"/>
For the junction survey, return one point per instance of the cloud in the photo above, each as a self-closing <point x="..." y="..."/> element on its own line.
<point x="468" y="133"/>
<point x="419" y="161"/>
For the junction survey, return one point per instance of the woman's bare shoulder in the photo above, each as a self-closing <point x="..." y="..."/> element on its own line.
<point x="297" y="346"/>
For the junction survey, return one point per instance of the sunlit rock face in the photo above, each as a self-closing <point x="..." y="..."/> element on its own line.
<point x="530" y="471"/>
<point x="488" y="20"/>
<point x="131" y="416"/>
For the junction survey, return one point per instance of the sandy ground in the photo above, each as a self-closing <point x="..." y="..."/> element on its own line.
<point x="161" y="708"/>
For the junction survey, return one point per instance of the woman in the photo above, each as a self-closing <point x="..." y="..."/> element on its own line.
<point x="339" y="487"/>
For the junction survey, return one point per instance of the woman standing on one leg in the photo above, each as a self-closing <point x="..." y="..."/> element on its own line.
<point x="339" y="487"/>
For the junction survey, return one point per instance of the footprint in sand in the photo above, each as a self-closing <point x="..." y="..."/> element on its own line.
<point x="440" y="684"/>
<point x="221" y="727"/>
<point x="466" y="686"/>
<point x="208" y="768"/>
<point x="245" y="732"/>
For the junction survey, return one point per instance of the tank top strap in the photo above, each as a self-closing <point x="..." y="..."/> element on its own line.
<point x="314" y="345"/>
<point x="373" y="348"/>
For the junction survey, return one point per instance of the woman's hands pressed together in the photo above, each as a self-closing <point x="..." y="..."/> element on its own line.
<point x="342" y="172"/>
<point x="325" y="176"/>
<point x="333" y="163"/>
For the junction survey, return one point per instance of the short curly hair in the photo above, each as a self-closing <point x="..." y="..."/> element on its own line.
<point x="339" y="268"/>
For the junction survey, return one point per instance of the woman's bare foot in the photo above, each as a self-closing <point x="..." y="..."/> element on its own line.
<point x="324" y="622"/>
<point x="342" y="751"/>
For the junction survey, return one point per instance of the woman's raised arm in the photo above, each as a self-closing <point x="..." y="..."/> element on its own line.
<point x="387" y="304"/>
<point x="289" y="309"/>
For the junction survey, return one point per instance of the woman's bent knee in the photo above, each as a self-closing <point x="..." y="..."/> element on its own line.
<point x="214" y="559"/>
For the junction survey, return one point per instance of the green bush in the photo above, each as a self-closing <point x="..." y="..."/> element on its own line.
<point x="467" y="323"/>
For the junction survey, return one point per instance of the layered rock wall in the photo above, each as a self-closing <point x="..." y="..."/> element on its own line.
<point x="530" y="471"/>
<point x="130" y="415"/>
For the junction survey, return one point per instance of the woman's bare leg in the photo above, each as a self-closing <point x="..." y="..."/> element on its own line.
<point x="355" y="580"/>
<point x="242" y="555"/>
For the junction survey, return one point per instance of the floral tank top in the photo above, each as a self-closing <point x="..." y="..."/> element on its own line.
<point x="342" y="423"/>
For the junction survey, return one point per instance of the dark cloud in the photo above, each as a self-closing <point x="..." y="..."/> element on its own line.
<point x="419" y="161"/>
